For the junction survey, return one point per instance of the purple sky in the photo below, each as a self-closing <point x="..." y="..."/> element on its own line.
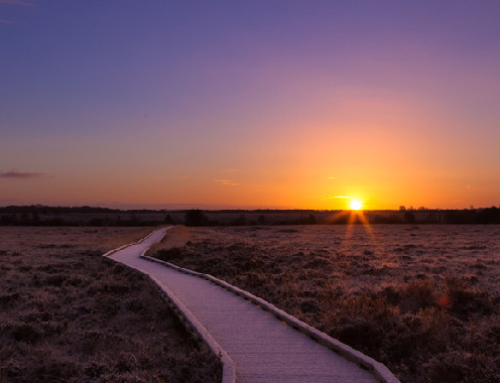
<point x="250" y="103"/>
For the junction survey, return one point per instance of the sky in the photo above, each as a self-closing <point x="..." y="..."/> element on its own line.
<point x="250" y="104"/>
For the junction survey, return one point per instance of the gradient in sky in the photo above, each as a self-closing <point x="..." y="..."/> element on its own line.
<point x="291" y="104"/>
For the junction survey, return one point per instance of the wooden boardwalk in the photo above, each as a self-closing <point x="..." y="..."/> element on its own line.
<point x="263" y="348"/>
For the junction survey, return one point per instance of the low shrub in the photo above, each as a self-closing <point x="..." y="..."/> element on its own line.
<point x="425" y="325"/>
<point x="78" y="317"/>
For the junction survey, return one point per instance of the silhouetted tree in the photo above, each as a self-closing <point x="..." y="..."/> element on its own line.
<point x="35" y="218"/>
<point x="460" y="217"/>
<point x="490" y="215"/>
<point x="409" y="217"/>
<point x="25" y="220"/>
<point x="261" y="220"/>
<point x="195" y="217"/>
<point x="135" y="220"/>
<point x="312" y="219"/>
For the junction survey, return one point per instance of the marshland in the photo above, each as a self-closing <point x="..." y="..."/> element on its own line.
<point x="424" y="300"/>
<point x="68" y="314"/>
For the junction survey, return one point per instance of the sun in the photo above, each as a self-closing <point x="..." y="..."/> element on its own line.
<point x="356" y="204"/>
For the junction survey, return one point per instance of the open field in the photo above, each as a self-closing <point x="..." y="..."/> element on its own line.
<point x="67" y="314"/>
<point x="424" y="300"/>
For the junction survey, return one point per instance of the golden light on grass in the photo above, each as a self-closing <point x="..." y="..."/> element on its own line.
<point x="356" y="204"/>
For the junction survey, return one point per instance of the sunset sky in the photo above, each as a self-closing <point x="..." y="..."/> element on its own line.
<point x="270" y="104"/>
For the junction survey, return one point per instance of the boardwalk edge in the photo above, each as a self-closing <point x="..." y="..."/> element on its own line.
<point x="111" y="252"/>
<point x="379" y="370"/>
<point x="192" y="325"/>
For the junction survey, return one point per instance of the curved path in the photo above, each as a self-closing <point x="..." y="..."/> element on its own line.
<point x="263" y="348"/>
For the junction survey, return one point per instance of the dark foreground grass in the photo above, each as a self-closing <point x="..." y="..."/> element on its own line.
<point x="67" y="314"/>
<point x="425" y="327"/>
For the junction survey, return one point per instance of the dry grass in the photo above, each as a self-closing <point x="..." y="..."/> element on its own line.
<point x="67" y="314"/>
<point x="423" y="300"/>
<point x="71" y="238"/>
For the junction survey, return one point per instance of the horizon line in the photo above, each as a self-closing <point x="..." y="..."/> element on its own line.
<point x="210" y="207"/>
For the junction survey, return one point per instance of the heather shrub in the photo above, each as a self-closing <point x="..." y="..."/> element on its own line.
<point x="463" y="367"/>
<point x="170" y="255"/>
<point x="73" y="316"/>
<point x="416" y="296"/>
<point x="466" y="301"/>
<point x="421" y="313"/>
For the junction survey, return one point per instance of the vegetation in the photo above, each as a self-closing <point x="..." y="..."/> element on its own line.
<point x="67" y="314"/>
<point x="429" y="317"/>
<point x="196" y="217"/>
<point x="37" y="215"/>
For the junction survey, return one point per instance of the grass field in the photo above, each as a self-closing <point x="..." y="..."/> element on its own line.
<point x="67" y="314"/>
<point x="424" y="300"/>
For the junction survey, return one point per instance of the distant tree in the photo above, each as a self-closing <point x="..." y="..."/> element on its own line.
<point x="95" y="222"/>
<point x="13" y="219"/>
<point x="134" y="219"/>
<point x="409" y="217"/>
<point x="489" y="215"/>
<point x="402" y="208"/>
<point x="431" y="218"/>
<point x="168" y="219"/>
<point x="24" y="220"/>
<point x="312" y="219"/>
<point x="35" y="218"/>
<point x="239" y="221"/>
<point x="461" y="217"/>
<point x="195" y="217"/>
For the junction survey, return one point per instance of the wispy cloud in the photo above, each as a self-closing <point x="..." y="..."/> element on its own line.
<point x="227" y="182"/>
<point x="14" y="174"/>
<point x="341" y="197"/>
<point x="3" y="21"/>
